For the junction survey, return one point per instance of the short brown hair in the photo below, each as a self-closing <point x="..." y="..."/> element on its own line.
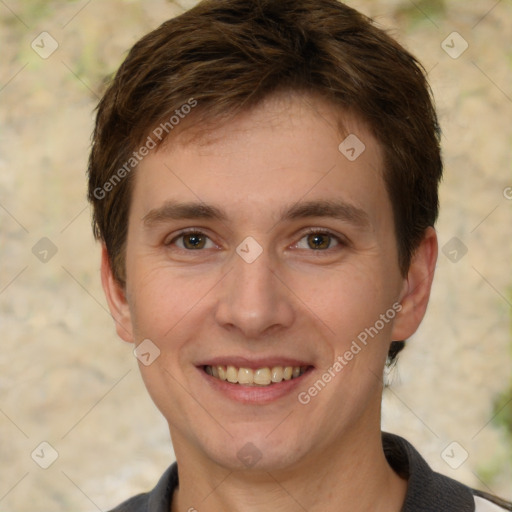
<point x="229" y="55"/>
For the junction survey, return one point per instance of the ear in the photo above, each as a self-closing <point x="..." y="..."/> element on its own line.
<point x="116" y="299"/>
<point x="416" y="288"/>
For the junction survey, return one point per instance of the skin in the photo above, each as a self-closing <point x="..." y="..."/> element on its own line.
<point x="293" y="301"/>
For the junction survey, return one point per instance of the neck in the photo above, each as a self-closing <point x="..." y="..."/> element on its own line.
<point x="354" y="476"/>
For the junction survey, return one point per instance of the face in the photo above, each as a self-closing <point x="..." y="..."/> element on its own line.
<point x="260" y="252"/>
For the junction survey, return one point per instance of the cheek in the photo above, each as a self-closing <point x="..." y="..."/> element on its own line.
<point x="163" y="298"/>
<point x="350" y="301"/>
<point x="347" y="286"/>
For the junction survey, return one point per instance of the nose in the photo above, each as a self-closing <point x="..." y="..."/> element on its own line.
<point x="254" y="299"/>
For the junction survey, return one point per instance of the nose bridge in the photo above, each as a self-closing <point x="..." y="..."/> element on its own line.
<point x="253" y="298"/>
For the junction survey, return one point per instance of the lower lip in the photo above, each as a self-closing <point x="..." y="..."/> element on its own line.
<point x="254" y="394"/>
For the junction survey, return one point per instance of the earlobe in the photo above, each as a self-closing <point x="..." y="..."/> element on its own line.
<point x="417" y="285"/>
<point x="116" y="299"/>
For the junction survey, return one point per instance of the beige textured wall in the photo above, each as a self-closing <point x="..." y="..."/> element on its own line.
<point x="67" y="380"/>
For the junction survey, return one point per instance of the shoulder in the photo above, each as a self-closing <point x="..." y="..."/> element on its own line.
<point x="488" y="503"/>
<point x="138" y="503"/>
<point x="429" y="491"/>
<point x="157" y="500"/>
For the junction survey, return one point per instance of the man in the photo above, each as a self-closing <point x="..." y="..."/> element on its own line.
<point x="264" y="181"/>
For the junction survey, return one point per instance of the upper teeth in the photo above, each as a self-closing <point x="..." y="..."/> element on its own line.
<point x="261" y="376"/>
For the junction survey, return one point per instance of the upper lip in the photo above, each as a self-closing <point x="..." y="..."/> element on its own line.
<point x="253" y="363"/>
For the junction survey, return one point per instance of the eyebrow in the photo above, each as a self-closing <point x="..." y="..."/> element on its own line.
<point x="336" y="209"/>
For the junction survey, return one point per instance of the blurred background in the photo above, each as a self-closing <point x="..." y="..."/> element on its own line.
<point x="68" y="382"/>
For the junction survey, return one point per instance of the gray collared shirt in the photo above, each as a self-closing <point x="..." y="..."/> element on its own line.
<point x="427" y="491"/>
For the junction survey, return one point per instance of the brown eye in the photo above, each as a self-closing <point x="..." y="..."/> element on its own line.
<point x="191" y="241"/>
<point x="194" y="241"/>
<point x="318" y="241"/>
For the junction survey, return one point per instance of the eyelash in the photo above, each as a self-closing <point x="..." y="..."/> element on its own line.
<point x="310" y="231"/>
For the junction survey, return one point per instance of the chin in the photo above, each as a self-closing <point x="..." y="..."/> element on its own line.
<point x="257" y="452"/>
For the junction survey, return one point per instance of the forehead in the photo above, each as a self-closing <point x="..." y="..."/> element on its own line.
<point x="288" y="150"/>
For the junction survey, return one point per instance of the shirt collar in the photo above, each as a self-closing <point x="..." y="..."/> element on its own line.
<point x="427" y="491"/>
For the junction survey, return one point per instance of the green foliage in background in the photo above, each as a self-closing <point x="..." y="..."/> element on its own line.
<point x="29" y="12"/>
<point x="420" y="11"/>
<point x="503" y="408"/>
<point x="503" y="404"/>
<point x="502" y="417"/>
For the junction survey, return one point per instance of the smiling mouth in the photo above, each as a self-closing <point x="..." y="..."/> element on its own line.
<point x="260" y="377"/>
